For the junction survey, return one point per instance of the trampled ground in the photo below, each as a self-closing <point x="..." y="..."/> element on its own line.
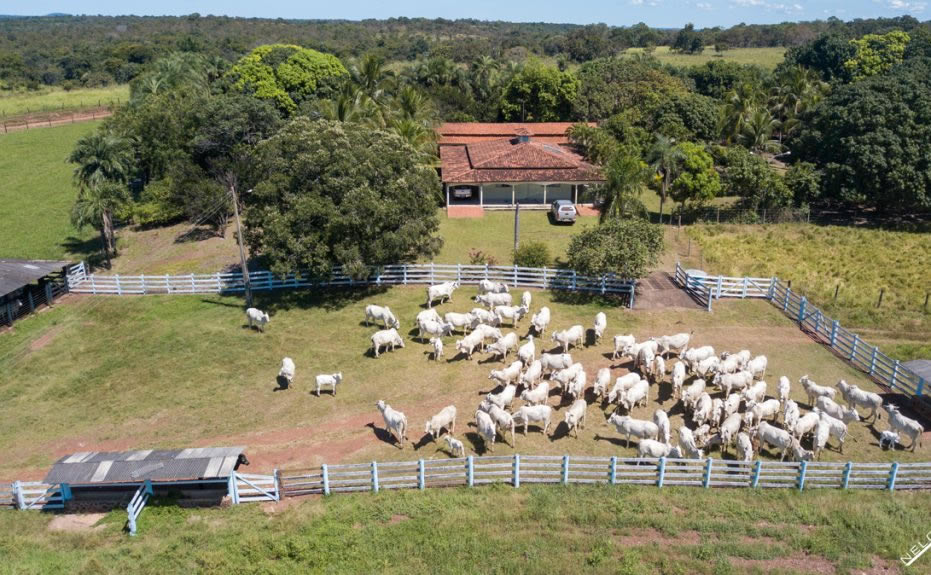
<point x="140" y="372"/>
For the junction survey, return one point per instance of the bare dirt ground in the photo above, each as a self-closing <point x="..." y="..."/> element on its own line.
<point x="51" y="119"/>
<point x="75" y="521"/>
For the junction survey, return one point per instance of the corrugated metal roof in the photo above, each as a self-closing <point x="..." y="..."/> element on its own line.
<point x="922" y="367"/>
<point x="100" y="467"/>
<point x="15" y="274"/>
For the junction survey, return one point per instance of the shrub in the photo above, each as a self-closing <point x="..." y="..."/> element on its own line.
<point x="627" y="248"/>
<point x="479" y="258"/>
<point x="532" y="255"/>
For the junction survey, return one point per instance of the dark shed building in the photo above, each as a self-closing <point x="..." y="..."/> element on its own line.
<point x="27" y="284"/>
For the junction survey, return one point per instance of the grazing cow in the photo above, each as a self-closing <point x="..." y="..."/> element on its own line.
<point x="442" y="292"/>
<point x="376" y="313"/>
<point x="257" y="318"/>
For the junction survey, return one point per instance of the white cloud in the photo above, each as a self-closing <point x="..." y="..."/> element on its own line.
<point x="636" y="2"/>
<point x="906" y="6"/>
<point x="794" y="8"/>
<point x="703" y="5"/>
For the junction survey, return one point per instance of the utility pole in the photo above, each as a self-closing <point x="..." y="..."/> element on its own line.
<point x="242" y="251"/>
<point x="516" y="224"/>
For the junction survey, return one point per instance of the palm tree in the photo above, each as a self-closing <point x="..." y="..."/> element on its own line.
<point x="626" y="176"/>
<point x="757" y="131"/>
<point x="664" y="157"/>
<point x="740" y="102"/>
<point x="95" y="207"/>
<point x="484" y="69"/>
<point x="371" y="77"/>
<point x="101" y="157"/>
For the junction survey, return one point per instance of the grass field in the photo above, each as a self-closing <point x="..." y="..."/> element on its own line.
<point x="765" y="57"/>
<point x="139" y="372"/>
<point x="534" y="529"/>
<point x="56" y="99"/>
<point x="818" y="259"/>
<point x="36" y="193"/>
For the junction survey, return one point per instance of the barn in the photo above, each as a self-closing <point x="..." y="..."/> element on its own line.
<point x="27" y="284"/>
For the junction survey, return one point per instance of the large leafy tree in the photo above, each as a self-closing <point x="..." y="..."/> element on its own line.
<point x="608" y="86"/>
<point x="627" y="248"/>
<point x="688" y="40"/>
<point x="697" y="182"/>
<point x="286" y="74"/>
<point x="871" y="139"/>
<point x="749" y="176"/>
<point x="539" y="93"/>
<point x="626" y="176"/>
<point x="340" y="194"/>
<point x="876" y="53"/>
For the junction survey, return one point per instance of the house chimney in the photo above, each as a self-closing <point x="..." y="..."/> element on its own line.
<point x="523" y="135"/>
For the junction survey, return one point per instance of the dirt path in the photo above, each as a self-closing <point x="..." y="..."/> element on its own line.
<point x="52" y="119"/>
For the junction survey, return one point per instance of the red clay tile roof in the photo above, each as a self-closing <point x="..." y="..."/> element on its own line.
<point x="469" y="132"/>
<point x="478" y="153"/>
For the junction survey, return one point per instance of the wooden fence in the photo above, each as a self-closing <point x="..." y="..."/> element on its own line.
<point x="517" y="469"/>
<point x="79" y="281"/>
<point x="848" y="345"/>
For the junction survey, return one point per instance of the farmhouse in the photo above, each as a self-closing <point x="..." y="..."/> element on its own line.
<point x="501" y="164"/>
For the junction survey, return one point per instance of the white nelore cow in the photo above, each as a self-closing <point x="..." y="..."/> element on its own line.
<point x="673" y="343"/>
<point x="442" y="292"/>
<point x="621" y="342"/>
<point x="257" y="318"/>
<point x="525" y="299"/>
<point x="328" y="379"/>
<point x="601" y="324"/>
<point x="287" y="370"/>
<point x="575" y="335"/>
<point x="446" y="418"/>
<point x="377" y="313"/>
<point x="493" y="300"/>
<point x="481" y="315"/>
<point x="488" y="286"/>
<point x="387" y="338"/>
<point x="512" y="313"/>
<point x="461" y="321"/>
<point x="541" y="320"/>
<point x="555" y="361"/>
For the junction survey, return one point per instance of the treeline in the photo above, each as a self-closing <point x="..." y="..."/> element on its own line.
<point x="76" y="51"/>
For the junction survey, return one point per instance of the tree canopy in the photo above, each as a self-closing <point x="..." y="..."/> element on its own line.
<point x="340" y="194"/>
<point x="625" y="247"/>
<point x="538" y="93"/>
<point x="871" y="140"/>
<point x="285" y="74"/>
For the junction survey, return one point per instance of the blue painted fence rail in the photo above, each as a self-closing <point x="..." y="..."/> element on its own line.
<point x="79" y="281"/>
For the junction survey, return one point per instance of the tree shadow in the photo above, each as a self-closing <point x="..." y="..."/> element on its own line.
<point x="89" y="250"/>
<point x="328" y="299"/>
<point x="588" y="298"/>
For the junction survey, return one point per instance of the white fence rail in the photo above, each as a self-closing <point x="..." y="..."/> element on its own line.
<point x="406" y="274"/>
<point x="514" y="470"/>
<point x="845" y="343"/>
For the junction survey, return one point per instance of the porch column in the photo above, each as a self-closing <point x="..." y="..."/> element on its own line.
<point x="544" y="194"/>
<point x="481" y="195"/>
<point x="513" y="194"/>
<point x="575" y="193"/>
<point x="446" y="189"/>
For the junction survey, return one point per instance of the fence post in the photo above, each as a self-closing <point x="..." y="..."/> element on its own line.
<point x="846" y="477"/>
<point x="603" y="284"/>
<point x="802" y="471"/>
<point x="613" y="471"/>
<point x="818" y="317"/>
<point x="801" y="310"/>
<point x="633" y="290"/>
<point x="375" y="476"/>
<point x="470" y="471"/>
<point x="565" y="469"/>
<point x="544" y="277"/>
<point x="432" y="272"/>
<point x="834" y="326"/>
<point x="785" y="302"/>
<point x="30" y="301"/>
<point x="18" y="495"/>
<point x="515" y="476"/>
<point x="93" y="285"/>
<point x="661" y="470"/>
<point x="233" y="489"/>
<point x="119" y="287"/>
<point x="893" y="471"/>
<point x="515" y="275"/>
<point x="853" y="348"/>
<point x="755" y="480"/>
<point x="486" y="270"/>
<point x="873" y="359"/>
<point x="405" y="274"/>
<point x="706" y="479"/>
<point x="709" y="295"/>
<point x="459" y="273"/>
<point x="772" y="288"/>
<point x="326" y="478"/>
<point x="48" y="294"/>
<point x="573" y="280"/>
<point x="65" y="492"/>
<point x="193" y="285"/>
<point x="746" y="282"/>
<point x="421" y="480"/>
<point x="720" y="287"/>
<point x="167" y="283"/>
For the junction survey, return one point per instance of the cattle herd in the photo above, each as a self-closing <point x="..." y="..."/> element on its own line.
<point x="723" y="397"/>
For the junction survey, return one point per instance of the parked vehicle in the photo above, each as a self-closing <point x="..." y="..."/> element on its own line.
<point x="563" y="211"/>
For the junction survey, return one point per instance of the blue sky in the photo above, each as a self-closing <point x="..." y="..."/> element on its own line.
<point x="661" y="13"/>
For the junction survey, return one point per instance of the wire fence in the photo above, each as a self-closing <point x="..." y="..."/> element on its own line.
<point x="79" y="281"/>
